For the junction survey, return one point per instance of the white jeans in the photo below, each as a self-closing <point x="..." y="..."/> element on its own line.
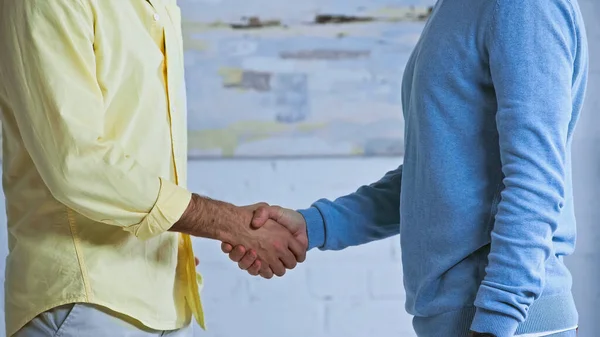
<point x="85" y="320"/>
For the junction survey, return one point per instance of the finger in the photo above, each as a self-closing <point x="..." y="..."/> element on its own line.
<point x="247" y="260"/>
<point x="263" y="214"/>
<point x="226" y="248"/>
<point x="278" y="268"/>
<point x="197" y="261"/>
<point x="255" y="268"/>
<point x="237" y="253"/>
<point x="288" y="259"/>
<point x="298" y="249"/>
<point x="266" y="272"/>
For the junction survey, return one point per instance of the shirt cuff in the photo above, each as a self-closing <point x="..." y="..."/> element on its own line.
<point x="498" y="324"/>
<point x="172" y="202"/>
<point x="315" y="227"/>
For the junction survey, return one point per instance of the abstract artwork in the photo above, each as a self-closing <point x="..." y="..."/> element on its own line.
<point x="269" y="78"/>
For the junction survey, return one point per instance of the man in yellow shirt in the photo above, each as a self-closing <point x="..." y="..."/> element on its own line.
<point x="93" y="108"/>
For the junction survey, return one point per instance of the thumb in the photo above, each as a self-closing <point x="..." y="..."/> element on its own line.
<point x="263" y="214"/>
<point x="256" y="206"/>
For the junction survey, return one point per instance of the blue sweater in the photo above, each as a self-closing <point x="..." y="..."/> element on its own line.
<point x="483" y="202"/>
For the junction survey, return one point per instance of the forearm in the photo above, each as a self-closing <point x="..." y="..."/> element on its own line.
<point x="212" y="219"/>
<point x="369" y="214"/>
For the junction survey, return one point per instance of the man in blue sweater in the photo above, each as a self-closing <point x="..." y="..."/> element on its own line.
<point x="483" y="202"/>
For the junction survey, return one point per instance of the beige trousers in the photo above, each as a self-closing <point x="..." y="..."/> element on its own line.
<point x="85" y="320"/>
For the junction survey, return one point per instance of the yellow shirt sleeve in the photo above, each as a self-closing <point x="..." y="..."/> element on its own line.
<point x="60" y="110"/>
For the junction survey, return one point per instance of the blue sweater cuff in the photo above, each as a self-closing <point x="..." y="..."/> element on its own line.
<point x="315" y="227"/>
<point x="500" y="325"/>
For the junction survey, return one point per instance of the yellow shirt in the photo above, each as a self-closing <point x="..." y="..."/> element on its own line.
<point x="94" y="126"/>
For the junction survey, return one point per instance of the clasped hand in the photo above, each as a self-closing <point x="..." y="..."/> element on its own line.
<point x="277" y="239"/>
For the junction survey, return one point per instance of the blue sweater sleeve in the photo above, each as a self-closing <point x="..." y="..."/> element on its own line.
<point x="531" y="46"/>
<point x="371" y="213"/>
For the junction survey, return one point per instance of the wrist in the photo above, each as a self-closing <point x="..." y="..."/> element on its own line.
<point x="228" y="229"/>
<point x="213" y="219"/>
<point x="220" y="220"/>
<point x="315" y="227"/>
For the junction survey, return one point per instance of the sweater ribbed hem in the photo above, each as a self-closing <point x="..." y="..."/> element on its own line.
<point x="495" y="323"/>
<point x="548" y="313"/>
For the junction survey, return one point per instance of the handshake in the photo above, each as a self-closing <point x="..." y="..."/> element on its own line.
<point x="275" y="240"/>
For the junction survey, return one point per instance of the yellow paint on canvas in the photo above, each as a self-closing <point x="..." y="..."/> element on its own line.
<point x="228" y="139"/>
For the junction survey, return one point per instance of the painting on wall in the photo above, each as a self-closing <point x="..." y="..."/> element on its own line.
<point x="268" y="78"/>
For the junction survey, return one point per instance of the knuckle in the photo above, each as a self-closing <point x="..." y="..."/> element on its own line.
<point x="245" y="264"/>
<point x="235" y="257"/>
